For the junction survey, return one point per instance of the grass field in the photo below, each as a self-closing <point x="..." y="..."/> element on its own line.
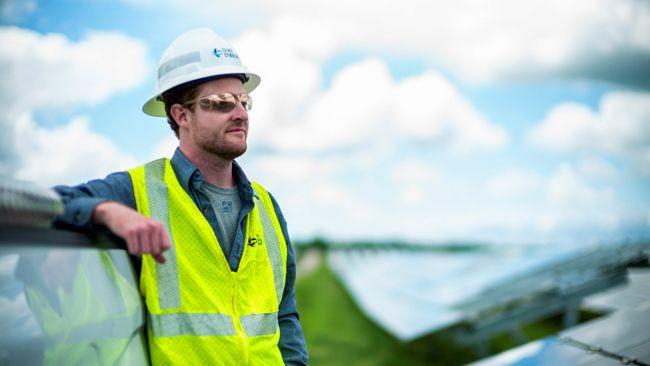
<point x="337" y="333"/>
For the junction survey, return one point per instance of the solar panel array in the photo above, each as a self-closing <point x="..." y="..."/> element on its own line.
<point x="411" y="294"/>
<point x="622" y="337"/>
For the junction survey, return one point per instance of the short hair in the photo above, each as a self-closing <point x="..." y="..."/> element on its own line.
<point x="178" y="95"/>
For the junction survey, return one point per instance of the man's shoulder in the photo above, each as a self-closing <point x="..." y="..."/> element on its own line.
<point x="260" y="190"/>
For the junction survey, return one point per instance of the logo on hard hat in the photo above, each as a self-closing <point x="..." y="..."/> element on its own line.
<point x="225" y="52"/>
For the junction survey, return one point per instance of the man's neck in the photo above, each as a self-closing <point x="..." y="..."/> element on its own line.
<point x="216" y="170"/>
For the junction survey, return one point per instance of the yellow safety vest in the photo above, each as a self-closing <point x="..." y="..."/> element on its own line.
<point x="200" y="312"/>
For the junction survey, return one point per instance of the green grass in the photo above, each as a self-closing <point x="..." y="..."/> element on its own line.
<point x="335" y="330"/>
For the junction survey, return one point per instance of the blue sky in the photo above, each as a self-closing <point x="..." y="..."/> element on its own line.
<point x="513" y="121"/>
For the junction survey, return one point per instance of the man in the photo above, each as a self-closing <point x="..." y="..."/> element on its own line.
<point x="218" y="270"/>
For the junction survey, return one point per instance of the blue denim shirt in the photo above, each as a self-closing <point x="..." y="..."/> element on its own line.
<point x="81" y="200"/>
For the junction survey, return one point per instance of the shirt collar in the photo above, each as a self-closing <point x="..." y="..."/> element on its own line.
<point x="190" y="176"/>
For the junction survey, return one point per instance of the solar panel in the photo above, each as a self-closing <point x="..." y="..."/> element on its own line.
<point x="622" y="332"/>
<point x="547" y="351"/>
<point x="630" y="295"/>
<point x="640" y="352"/>
<point x="622" y="337"/>
<point x="411" y="294"/>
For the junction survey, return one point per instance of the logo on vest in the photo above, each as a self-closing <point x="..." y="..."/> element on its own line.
<point x="253" y="242"/>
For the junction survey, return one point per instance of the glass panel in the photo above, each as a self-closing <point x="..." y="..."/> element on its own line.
<point x="621" y="330"/>
<point x="548" y="351"/>
<point x="69" y="306"/>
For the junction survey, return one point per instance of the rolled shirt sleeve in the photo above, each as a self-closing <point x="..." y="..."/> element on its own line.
<point x="80" y="200"/>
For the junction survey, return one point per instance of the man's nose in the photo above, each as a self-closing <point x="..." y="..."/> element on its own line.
<point x="239" y="112"/>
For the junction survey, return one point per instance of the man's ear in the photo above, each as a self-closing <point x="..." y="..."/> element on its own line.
<point x="180" y="114"/>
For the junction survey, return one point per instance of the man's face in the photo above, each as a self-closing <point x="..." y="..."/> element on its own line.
<point x="219" y="133"/>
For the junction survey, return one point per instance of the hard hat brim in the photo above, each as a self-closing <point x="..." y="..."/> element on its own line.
<point x="156" y="108"/>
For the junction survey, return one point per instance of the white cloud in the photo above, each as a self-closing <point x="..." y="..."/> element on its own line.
<point x="415" y="180"/>
<point x="598" y="168"/>
<point x="570" y="202"/>
<point x="480" y="41"/>
<point x="412" y="199"/>
<point x="285" y="169"/>
<point x="291" y="77"/>
<point x="366" y="106"/>
<point x="504" y="39"/>
<point x="573" y="201"/>
<point x="621" y="126"/>
<point x="42" y="71"/>
<point x="414" y="171"/>
<point x="352" y="112"/>
<point x="514" y="183"/>
<point x="50" y="71"/>
<point x="66" y="154"/>
<point x="569" y="126"/>
<point x="331" y="194"/>
<point x="567" y="188"/>
<point x="430" y="108"/>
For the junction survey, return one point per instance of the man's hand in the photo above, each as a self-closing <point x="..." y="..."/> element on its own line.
<point x="142" y="234"/>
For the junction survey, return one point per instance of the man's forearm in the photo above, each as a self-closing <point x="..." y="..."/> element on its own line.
<point x="141" y="234"/>
<point x="109" y="204"/>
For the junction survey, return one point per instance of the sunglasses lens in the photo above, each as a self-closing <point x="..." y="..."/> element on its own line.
<point x="217" y="105"/>
<point x="246" y="101"/>
<point x="225" y="102"/>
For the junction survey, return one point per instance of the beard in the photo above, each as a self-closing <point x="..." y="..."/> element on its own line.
<point x="227" y="150"/>
<point x="217" y="142"/>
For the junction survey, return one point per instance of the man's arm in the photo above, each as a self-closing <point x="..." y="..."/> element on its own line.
<point x="292" y="340"/>
<point x="81" y="200"/>
<point x="109" y="203"/>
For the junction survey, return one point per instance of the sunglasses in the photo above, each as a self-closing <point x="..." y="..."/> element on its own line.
<point x="224" y="102"/>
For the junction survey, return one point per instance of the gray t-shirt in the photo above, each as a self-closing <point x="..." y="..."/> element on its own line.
<point x="226" y="205"/>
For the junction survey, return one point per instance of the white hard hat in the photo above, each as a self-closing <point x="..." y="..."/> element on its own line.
<point x="197" y="55"/>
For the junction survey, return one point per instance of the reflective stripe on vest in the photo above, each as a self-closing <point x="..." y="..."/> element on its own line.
<point x="203" y="324"/>
<point x="175" y="324"/>
<point x="273" y="248"/>
<point x="259" y="324"/>
<point x="154" y="173"/>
